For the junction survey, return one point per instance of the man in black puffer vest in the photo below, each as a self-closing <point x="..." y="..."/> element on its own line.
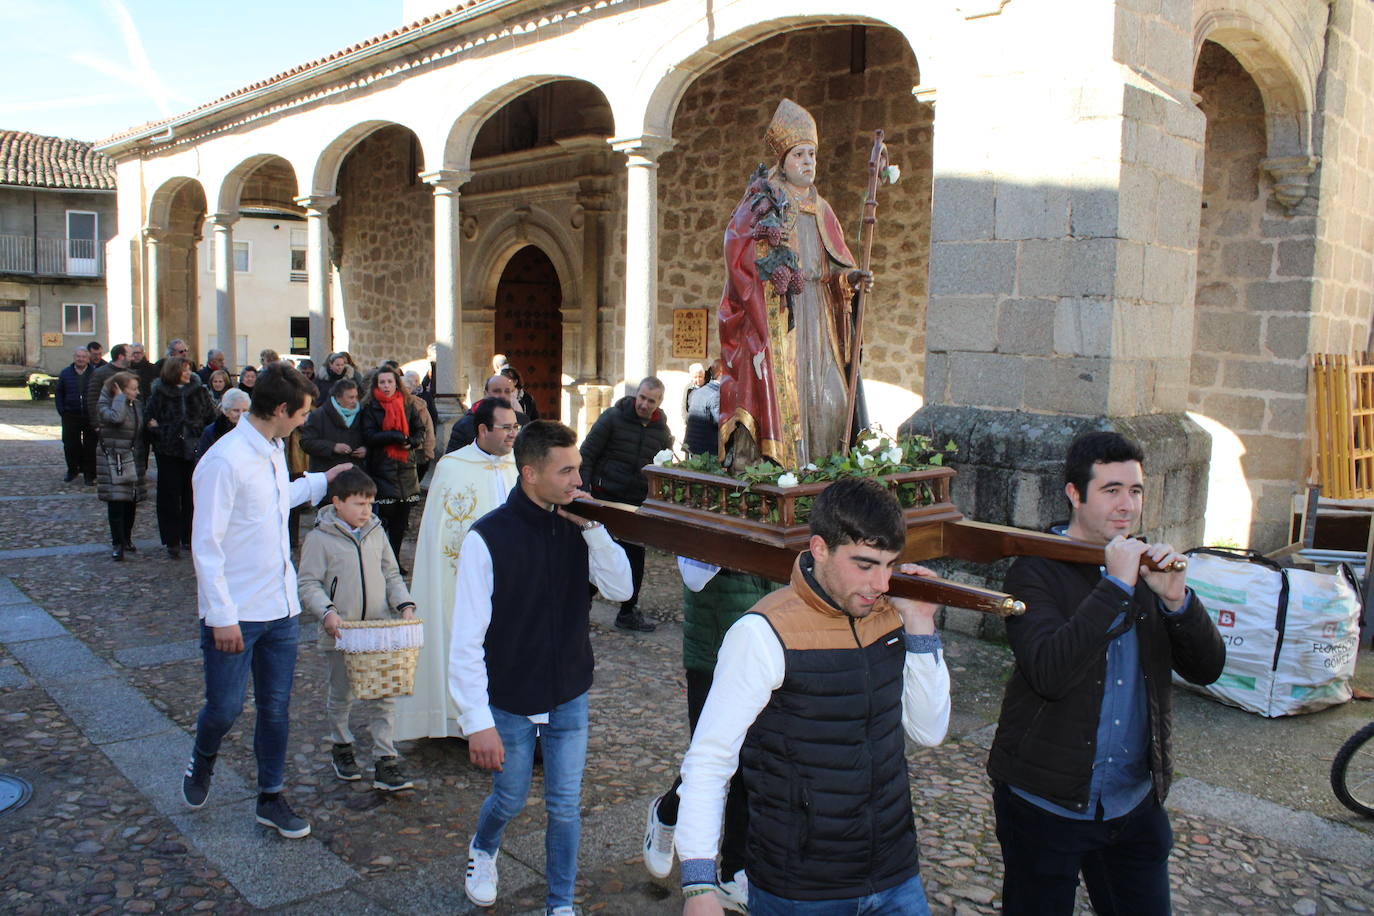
<point x="525" y="670"/>
<point x="620" y="443"/>
<point x="1081" y="762"/>
<point x="812" y="694"/>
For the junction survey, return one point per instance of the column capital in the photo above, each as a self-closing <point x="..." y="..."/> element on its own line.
<point x="449" y="180"/>
<point x="642" y="151"/>
<point x="317" y="203"/>
<point x="153" y="234"/>
<point x="1291" y="175"/>
<point x="222" y="221"/>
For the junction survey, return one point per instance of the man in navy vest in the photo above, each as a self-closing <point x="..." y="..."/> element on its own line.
<point x="813" y="691"/>
<point x="524" y="673"/>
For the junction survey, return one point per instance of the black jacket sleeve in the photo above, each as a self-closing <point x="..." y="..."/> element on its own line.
<point x="1199" y="653"/>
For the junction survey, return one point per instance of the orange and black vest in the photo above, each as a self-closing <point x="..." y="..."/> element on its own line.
<point x="824" y="763"/>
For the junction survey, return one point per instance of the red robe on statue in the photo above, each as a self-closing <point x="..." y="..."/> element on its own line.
<point x="749" y="395"/>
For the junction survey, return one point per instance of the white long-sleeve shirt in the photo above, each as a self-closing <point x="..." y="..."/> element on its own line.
<point x="609" y="571"/>
<point x="751" y="666"/>
<point x="238" y="536"/>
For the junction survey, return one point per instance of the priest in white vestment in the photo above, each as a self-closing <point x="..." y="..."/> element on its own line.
<point x="467" y="484"/>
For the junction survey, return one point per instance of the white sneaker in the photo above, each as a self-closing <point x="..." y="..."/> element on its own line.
<point x="658" y="844"/>
<point x="734" y="894"/>
<point x="562" y="911"/>
<point x="480" y="883"/>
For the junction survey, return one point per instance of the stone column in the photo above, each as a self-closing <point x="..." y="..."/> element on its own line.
<point x="448" y="284"/>
<point x="641" y="252"/>
<point x="226" y="333"/>
<point x="317" y="274"/>
<point x="152" y="298"/>
<point x="1063" y="261"/>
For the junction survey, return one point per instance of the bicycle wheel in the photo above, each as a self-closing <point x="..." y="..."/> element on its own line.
<point x="1352" y="772"/>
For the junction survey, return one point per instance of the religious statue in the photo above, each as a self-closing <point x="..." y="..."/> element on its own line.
<point x="786" y="319"/>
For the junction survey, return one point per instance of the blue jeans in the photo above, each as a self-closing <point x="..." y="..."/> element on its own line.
<point x="906" y="899"/>
<point x="564" y="742"/>
<point x="269" y="653"/>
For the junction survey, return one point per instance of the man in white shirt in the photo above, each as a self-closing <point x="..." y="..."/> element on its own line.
<point x="246" y="584"/>
<point x="524" y="673"/>
<point x="811" y="695"/>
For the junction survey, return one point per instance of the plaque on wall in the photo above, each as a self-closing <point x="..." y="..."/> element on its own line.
<point x="689" y="333"/>
<point x="52" y="340"/>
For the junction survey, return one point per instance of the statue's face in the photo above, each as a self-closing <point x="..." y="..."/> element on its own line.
<point x="799" y="165"/>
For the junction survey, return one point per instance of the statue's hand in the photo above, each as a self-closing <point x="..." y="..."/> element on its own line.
<point x="758" y="365"/>
<point x="861" y="279"/>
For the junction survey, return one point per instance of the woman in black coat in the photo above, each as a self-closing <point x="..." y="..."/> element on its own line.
<point x="179" y="408"/>
<point x="394" y="434"/>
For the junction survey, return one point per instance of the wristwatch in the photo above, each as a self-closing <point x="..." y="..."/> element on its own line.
<point x="590" y="525"/>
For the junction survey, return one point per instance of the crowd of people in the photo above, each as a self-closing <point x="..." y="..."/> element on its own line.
<point x="794" y="794"/>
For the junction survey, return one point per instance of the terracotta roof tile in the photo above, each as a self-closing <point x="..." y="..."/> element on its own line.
<point x="301" y="68"/>
<point x="36" y="161"/>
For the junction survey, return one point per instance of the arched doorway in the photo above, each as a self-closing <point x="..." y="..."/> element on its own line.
<point x="529" y="325"/>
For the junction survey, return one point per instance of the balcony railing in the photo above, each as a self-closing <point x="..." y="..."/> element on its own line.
<point x="48" y="256"/>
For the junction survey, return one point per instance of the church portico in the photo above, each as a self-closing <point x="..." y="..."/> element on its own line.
<point x="1042" y="256"/>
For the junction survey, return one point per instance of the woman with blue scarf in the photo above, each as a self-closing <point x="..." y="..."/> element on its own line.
<point x="333" y="433"/>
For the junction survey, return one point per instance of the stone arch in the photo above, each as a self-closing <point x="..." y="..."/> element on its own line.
<point x="325" y="178"/>
<point x="279" y="188"/>
<point x="458" y="143"/>
<point x="519" y="228"/>
<point x="171" y="302"/>
<point x="680" y="72"/>
<point x="1267" y="43"/>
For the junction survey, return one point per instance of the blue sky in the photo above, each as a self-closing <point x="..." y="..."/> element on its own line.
<point x="91" y="68"/>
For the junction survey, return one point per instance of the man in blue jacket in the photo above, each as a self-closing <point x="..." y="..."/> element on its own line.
<point x="78" y="436"/>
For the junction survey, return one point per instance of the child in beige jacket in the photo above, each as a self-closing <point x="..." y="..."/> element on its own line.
<point x="348" y="572"/>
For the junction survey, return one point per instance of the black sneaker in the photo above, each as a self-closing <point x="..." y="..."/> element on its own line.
<point x="195" y="785"/>
<point x="274" y="812"/>
<point x="389" y="776"/>
<point x="129" y="547"/>
<point x="71" y="475"/>
<point x="635" y="622"/>
<point x="345" y="766"/>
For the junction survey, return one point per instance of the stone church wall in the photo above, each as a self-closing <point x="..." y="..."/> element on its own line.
<point x="383" y="230"/>
<point x="1249" y="369"/>
<point x="719" y="130"/>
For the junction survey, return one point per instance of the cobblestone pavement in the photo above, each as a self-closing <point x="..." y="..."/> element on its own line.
<point x="100" y="681"/>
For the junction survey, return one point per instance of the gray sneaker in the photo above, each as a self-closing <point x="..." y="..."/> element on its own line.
<point x="195" y="785"/>
<point x="390" y="777"/>
<point x="345" y="765"/>
<point x="274" y="812"/>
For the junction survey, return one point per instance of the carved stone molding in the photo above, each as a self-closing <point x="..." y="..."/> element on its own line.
<point x="1291" y="176"/>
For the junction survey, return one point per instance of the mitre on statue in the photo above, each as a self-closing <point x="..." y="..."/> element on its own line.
<point x="792" y="124"/>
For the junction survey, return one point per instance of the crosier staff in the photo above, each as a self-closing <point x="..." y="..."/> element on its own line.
<point x="878" y="168"/>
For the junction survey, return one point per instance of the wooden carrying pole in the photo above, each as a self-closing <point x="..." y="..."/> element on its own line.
<point x="877" y="162"/>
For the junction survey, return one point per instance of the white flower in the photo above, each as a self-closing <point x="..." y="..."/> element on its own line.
<point x="811" y="466"/>
<point x="864" y="460"/>
<point x="893" y="455"/>
<point x="664" y="458"/>
<point x="893" y="174"/>
<point x="787" y="480"/>
<point x="873" y="444"/>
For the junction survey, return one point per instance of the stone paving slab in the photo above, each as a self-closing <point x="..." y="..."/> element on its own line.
<point x="109" y="710"/>
<point x="25" y="621"/>
<point x="437" y="888"/>
<point x="155" y="765"/>
<point x="60" y="659"/>
<point x="69" y="550"/>
<point x="10" y="593"/>
<point x="267" y="869"/>
<point x="12" y="677"/>
<point x="1299" y="829"/>
<point x="158" y="654"/>
<point x="352" y="903"/>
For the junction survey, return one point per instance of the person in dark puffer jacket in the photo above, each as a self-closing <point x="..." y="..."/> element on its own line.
<point x="814" y="692"/>
<point x="333" y="434"/>
<point x="121" y="432"/>
<point x="620" y="443"/>
<point x="178" y="410"/>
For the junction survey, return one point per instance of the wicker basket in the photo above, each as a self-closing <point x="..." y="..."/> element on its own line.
<point x="380" y="656"/>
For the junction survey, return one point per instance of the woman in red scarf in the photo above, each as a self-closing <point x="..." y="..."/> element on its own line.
<point x="393" y="433"/>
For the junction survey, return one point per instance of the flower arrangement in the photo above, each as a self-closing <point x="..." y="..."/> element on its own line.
<point x="894" y="461"/>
